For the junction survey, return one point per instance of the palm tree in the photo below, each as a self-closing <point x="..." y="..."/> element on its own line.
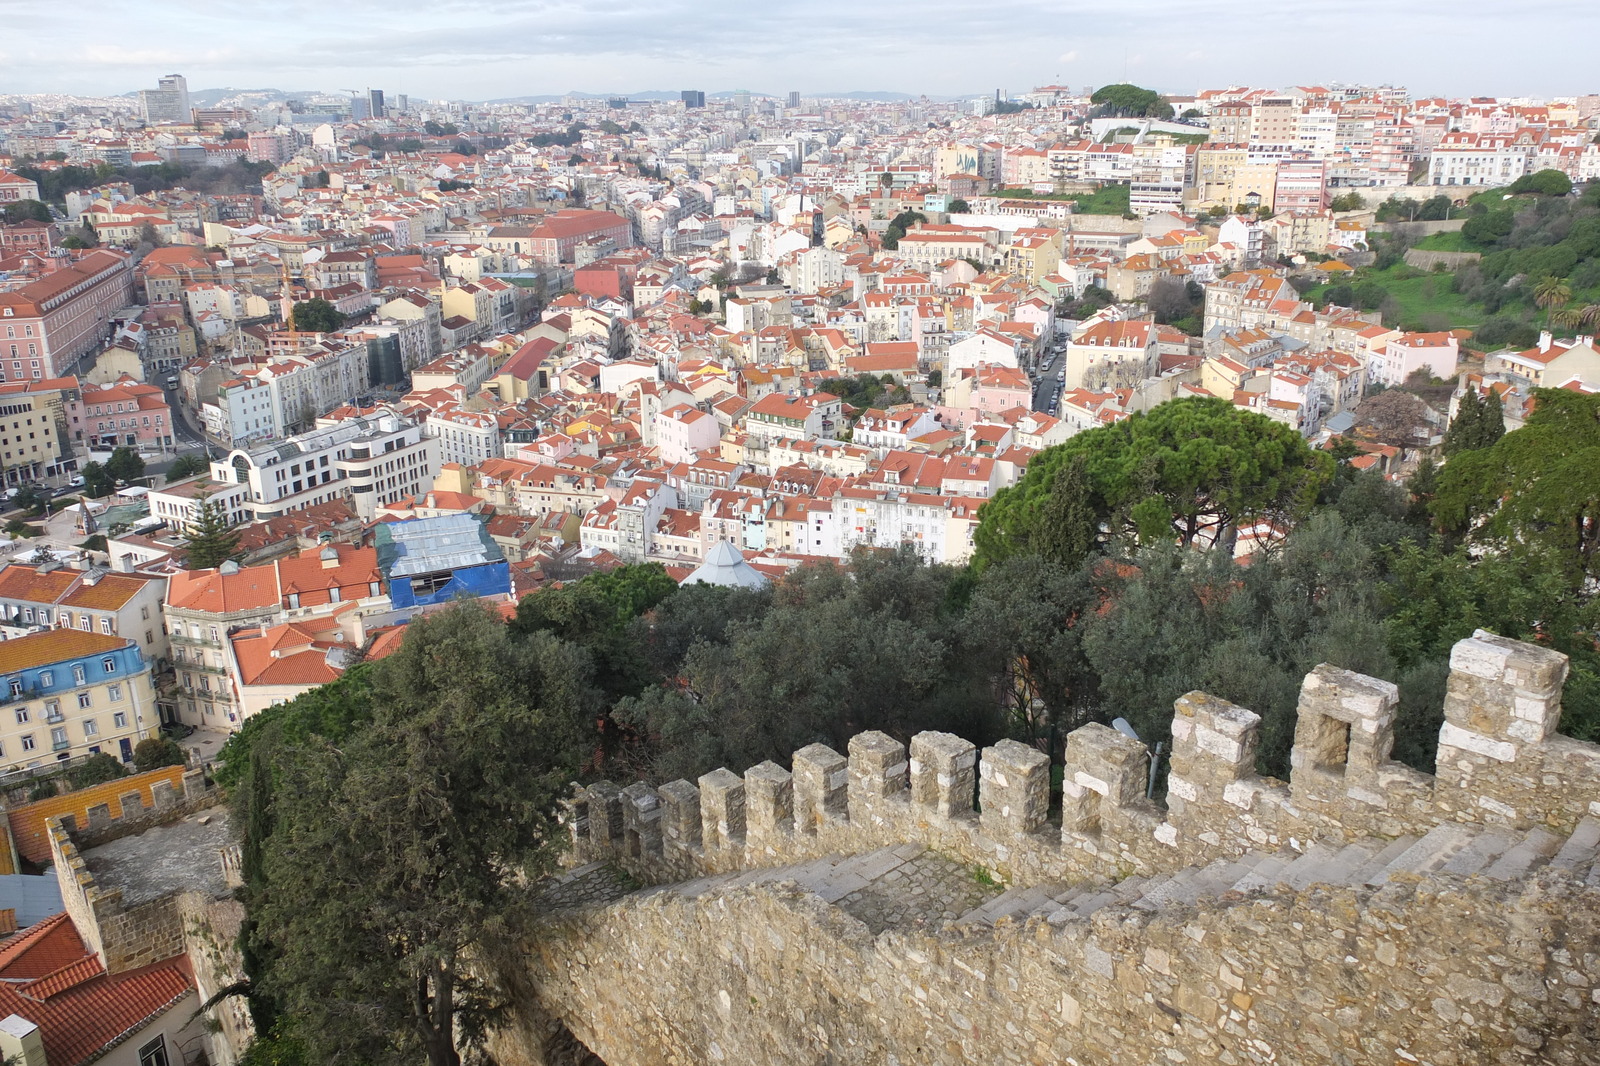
<point x="1551" y="292"/>
<point x="1590" y="315"/>
<point x="1567" y="318"/>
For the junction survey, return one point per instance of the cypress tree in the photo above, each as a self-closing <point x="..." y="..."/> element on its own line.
<point x="1466" y="429"/>
<point x="1492" y="420"/>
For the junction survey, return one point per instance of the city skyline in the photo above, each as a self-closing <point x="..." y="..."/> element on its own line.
<point x="533" y="47"/>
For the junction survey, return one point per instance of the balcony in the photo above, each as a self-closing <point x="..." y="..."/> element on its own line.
<point x="61" y="745"/>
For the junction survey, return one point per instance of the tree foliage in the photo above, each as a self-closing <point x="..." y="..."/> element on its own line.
<point x="317" y="316"/>
<point x="156" y="752"/>
<point x="899" y="226"/>
<point x="386" y="871"/>
<point x="187" y="465"/>
<point x="125" y="465"/>
<point x="1479" y="423"/>
<point x="1188" y="470"/>
<point x="210" y="539"/>
<point x="1129" y="101"/>
<point x="1537" y="489"/>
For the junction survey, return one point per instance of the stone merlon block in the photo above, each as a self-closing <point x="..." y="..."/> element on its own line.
<point x="680" y="813"/>
<point x="943" y="773"/>
<point x="1014" y="788"/>
<point x="722" y="808"/>
<point x="1213" y="741"/>
<point x="1345" y="719"/>
<point x="769" y="797"/>
<point x="1103" y="761"/>
<point x="1504" y="689"/>
<point x="821" y="780"/>
<point x="877" y="766"/>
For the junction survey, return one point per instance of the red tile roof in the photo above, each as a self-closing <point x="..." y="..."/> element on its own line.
<point x="50" y="978"/>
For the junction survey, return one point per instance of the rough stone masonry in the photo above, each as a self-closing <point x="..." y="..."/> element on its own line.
<point x="1362" y="912"/>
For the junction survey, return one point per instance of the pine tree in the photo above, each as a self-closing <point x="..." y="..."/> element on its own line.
<point x="208" y="539"/>
<point x="1069" y="525"/>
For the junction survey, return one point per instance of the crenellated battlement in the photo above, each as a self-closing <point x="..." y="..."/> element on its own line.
<point x="1500" y="763"/>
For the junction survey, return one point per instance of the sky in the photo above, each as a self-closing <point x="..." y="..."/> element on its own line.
<point x="486" y="49"/>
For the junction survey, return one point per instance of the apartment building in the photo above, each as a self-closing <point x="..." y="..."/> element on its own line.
<point x="370" y="459"/>
<point x="90" y="601"/>
<point x="68" y="693"/>
<point x="35" y="435"/>
<point x="48" y="325"/>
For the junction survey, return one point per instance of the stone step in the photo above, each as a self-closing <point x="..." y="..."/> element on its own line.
<point x="1016" y="903"/>
<point x="1580" y="846"/>
<point x="1534" y="850"/>
<point x="1164" y="890"/>
<point x="1436" y="847"/>
<point x="1311" y="867"/>
<point x="1265" y="874"/>
<point x="1212" y="879"/>
<point x="1485" y="848"/>
<point x="1342" y="868"/>
<point x="1380" y="862"/>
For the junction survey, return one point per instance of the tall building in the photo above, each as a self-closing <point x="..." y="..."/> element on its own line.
<point x="375" y="103"/>
<point x="168" y="102"/>
<point x="402" y="103"/>
<point x="794" y="99"/>
<point x="693" y="98"/>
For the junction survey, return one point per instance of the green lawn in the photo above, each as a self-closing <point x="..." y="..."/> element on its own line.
<point x="1446" y="242"/>
<point x="1425" y="300"/>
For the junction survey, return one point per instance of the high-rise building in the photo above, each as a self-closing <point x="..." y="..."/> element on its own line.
<point x="168" y="102"/>
<point x="741" y="101"/>
<point x="794" y="99"/>
<point x="693" y="98"/>
<point x="402" y="103"/>
<point x="375" y="103"/>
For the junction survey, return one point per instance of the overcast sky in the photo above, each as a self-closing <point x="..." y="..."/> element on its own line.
<point x="482" y="49"/>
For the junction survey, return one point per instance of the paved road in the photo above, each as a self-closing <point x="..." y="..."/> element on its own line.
<point x="1044" y="390"/>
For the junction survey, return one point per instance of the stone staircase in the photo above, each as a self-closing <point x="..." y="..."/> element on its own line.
<point x="910" y="885"/>
<point x="1460" y="850"/>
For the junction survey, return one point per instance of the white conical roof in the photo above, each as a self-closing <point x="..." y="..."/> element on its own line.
<point x="725" y="566"/>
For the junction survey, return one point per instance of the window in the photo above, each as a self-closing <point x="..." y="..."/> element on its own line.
<point x="27" y="742"/>
<point x="215" y="636"/>
<point x="52" y="710"/>
<point x="22" y="715"/>
<point x="85" y="700"/>
<point x="114" y="692"/>
<point x="89" y="728"/>
<point x="119" y="720"/>
<point x="105" y="625"/>
<point x="46" y="679"/>
<point x="77" y="671"/>
<point x="16" y="686"/>
<point x="144" y="613"/>
<point x="154" y="1053"/>
<point x="83" y="622"/>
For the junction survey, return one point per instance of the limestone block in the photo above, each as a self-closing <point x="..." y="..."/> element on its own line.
<point x="1013" y="788"/>
<point x="1505" y="688"/>
<point x="99" y="816"/>
<point x="680" y="814"/>
<point x="131" y="804"/>
<point x="877" y="773"/>
<point x="1213" y="741"/>
<point x="821" y="779"/>
<point x="1103" y="760"/>
<point x="641" y="820"/>
<point x="943" y="773"/>
<point x="1345" y="723"/>
<point x="769" y="800"/>
<point x="722" y="812"/>
<point x="163" y="795"/>
<point x="605" y="815"/>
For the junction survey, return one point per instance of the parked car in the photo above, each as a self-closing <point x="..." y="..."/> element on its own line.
<point x="77" y="481"/>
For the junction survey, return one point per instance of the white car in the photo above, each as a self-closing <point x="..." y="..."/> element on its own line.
<point x="77" y="481"/>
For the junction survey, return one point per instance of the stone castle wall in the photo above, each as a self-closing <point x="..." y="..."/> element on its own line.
<point x="1442" y="970"/>
<point x="1447" y="974"/>
<point x="125" y="938"/>
<point x="1500" y="762"/>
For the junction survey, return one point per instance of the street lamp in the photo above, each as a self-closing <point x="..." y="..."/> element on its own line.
<point x="1121" y="725"/>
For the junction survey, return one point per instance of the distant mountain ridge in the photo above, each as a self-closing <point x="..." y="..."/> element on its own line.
<point x="212" y="97"/>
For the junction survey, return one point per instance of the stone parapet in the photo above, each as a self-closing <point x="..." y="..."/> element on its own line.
<point x="1500" y="762"/>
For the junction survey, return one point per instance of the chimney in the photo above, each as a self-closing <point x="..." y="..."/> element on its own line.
<point x="21" y="1042"/>
<point x="1544" y="341"/>
<point x="1586" y="340"/>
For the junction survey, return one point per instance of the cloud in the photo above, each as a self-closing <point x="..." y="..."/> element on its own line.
<point x="478" y="49"/>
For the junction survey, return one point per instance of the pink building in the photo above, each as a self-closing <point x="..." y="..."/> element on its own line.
<point x="684" y="434"/>
<point x="126" y="413"/>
